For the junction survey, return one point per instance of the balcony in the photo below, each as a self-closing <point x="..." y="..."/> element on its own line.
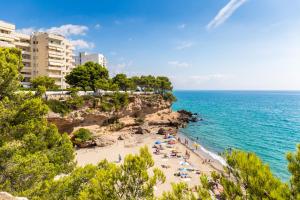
<point x="55" y="46"/>
<point x="22" y="44"/>
<point x="7" y="37"/>
<point x="56" y="54"/>
<point x="26" y="60"/>
<point x="55" y="75"/>
<point x="6" y="44"/>
<point x="26" y="52"/>
<point x="60" y="62"/>
<point x="53" y="68"/>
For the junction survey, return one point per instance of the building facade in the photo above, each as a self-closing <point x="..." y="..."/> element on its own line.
<point x="43" y="54"/>
<point x="84" y="57"/>
<point x="52" y="57"/>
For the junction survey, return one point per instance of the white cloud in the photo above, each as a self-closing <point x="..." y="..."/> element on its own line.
<point x="178" y="64"/>
<point x="81" y="44"/>
<point x="98" y="26"/>
<point x="68" y="30"/>
<point x="181" y="26"/>
<point x="225" y="13"/>
<point x="65" y="30"/>
<point x="27" y="31"/>
<point x="184" y="44"/>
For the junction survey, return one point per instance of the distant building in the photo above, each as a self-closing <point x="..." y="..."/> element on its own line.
<point x="43" y="54"/>
<point x="84" y="57"/>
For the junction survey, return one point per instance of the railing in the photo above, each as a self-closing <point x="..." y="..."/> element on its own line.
<point x="8" y="37"/>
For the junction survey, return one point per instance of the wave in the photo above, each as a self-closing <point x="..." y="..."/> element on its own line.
<point x="204" y="152"/>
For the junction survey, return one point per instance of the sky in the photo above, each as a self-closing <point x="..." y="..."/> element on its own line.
<point x="199" y="44"/>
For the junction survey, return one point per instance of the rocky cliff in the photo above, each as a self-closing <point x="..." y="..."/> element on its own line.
<point x="139" y="106"/>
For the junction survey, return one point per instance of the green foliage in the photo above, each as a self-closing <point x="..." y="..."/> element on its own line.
<point x="10" y="66"/>
<point x="179" y="191"/>
<point x="41" y="90"/>
<point x="123" y="82"/>
<point x="168" y="96"/>
<point x="58" y="106"/>
<point x="129" y="180"/>
<point x="75" y="102"/>
<point x="119" y="100"/>
<point x="67" y="187"/>
<point x="90" y="75"/>
<point x="82" y="135"/>
<point x="294" y="169"/>
<point x="106" y="106"/>
<point x="114" y="101"/>
<point x="255" y="177"/>
<point x="64" y="107"/>
<point x="45" y="81"/>
<point x="163" y="84"/>
<point x="31" y="149"/>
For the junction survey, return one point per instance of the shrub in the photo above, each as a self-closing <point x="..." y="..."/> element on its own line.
<point x="58" y="106"/>
<point x="119" y="100"/>
<point x="168" y="96"/>
<point x="82" y="135"/>
<point x="106" y="106"/>
<point x="75" y="102"/>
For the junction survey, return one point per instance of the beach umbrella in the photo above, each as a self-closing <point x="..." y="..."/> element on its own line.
<point x="173" y="139"/>
<point x="171" y="136"/>
<point x="158" y="142"/>
<point x="183" y="169"/>
<point x="184" y="163"/>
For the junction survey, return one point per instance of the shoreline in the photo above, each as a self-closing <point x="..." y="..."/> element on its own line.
<point x="202" y="151"/>
<point x="132" y="145"/>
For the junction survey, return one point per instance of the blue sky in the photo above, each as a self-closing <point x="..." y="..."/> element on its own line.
<point x="199" y="44"/>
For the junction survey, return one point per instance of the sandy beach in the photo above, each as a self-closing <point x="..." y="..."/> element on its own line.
<point x="196" y="162"/>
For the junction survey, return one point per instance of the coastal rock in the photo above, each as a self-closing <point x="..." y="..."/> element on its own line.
<point x="85" y="144"/>
<point x="104" y="141"/>
<point x="186" y="116"/>
<point x="142" y="130"/>
<point x="7" y="196"/>
<point x="138" y="107"/>
<point x="161" y="131"/>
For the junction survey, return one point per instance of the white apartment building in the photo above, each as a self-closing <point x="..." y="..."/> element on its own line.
<point x="52" y="56"/>
<point x="23" y="42"/>
<point x="43" y="54"/>
<point x="84" y="57"/>
<point x="7" y="37"/>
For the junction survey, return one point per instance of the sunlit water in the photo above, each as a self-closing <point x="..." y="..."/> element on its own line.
<point x="267" y="123"/>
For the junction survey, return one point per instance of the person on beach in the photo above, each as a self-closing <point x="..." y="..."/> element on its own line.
<point x="120" y="158"/>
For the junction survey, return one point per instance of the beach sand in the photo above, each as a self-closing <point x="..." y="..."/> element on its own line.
<point x="132" y="146"/>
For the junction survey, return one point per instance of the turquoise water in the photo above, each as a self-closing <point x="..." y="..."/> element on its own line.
<point x="267" y="123"/>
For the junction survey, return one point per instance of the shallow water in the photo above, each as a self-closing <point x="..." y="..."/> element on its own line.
<point x="264" y="122"/>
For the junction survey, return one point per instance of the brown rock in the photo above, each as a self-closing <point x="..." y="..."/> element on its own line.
<point x="161" y="131"/>
<point x="104" y="141"/>
<point x="7" y="196"/>
<point x="142" y="130"/>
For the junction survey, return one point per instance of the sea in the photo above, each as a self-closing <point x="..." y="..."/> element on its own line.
<point x="264" y="122"/>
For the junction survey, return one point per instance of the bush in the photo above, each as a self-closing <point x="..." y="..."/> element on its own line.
<point x="58" y="106"/>
<point x="119" y="100"/>
<point x="169" y="97"/>
<point x="82" y="135"/>
<point x="75" y="102"/>
<point x="106" y="106"/>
